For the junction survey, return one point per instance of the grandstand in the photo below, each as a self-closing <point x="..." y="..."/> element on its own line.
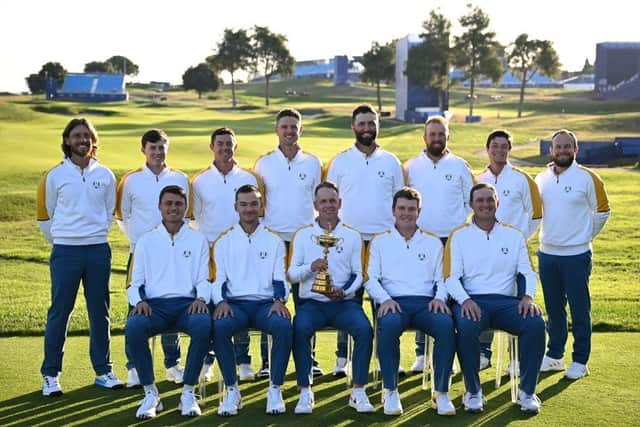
<point x="618" y="70"/>
<point x="90" y="87"/>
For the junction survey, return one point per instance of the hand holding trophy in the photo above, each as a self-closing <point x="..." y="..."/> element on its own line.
<point x="323" y="284"/>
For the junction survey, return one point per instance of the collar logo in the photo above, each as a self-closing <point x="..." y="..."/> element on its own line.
<point x="504" y="250"/>
<point x="422" y="257"/>
<point x="567" y="188"/>
<point x="302" y="176"/>
<point x="506" y="192"/>
<point x="263" y="254"/>
<point x="186" y="253"/>
<point x="381" y="174"/>
<point x="448" y="177"/>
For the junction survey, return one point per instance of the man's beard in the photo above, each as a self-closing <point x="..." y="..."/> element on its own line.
<point x="563" y="162"/>
<point x="366" y="138"/>
<point x="436" y="150"/>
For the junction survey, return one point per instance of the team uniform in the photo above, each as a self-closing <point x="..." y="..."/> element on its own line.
<point x="410" y="273"/>
<point x="576" y="209"/>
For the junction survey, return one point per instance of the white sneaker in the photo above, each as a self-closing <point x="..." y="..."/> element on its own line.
<point x="245" y="373"/>
<point x="132" y="378"/>
<point x="188" y="405"/>
<point x="473" y="402"/>
<point x="264" y="372"/>
<point x="207" y="372"/>
<point x="51" y="386"/>
<point x="150" y="405"/>
<point x="231" y="403"/>
<point x="275" y="403"/>
<point x="305" y="403"/>
<point x="442" y="403"/>
<point x="340" y="369"/>
<point x="317" y="371"/>
<point x="529" y="403"/>
<point x="175" y="374"/>
<point x="109" y="380"/>
<point x="392" y="404"/>
<point x="576" y="371"/>
<point x="418" y="365"/>
<point x="401" y="371"/>
<point x="359" y="401"/>
<point x="485" y="362"/>
<point x="550" y="364"/>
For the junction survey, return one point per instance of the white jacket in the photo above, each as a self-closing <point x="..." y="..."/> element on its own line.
<point x="166" y="266"/>
<point x="249" y="267"/>
<point x="575" y="209"/>
<point x="398" y="267"/>
<point x="75" y="206"/>
<point x="477" y="262"/>
<point x="137" y="200"/>
<point x="345" y="260"/>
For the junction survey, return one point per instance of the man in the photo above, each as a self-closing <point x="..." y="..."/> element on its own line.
<point x="405" y="280"/>
<point x="576" y="208"/>
<point x="520" y="205"/>
<point x="169" y="291"/>
<point x="250" y="292"/>
<point x="137" y="212"/>
<point x="368" y="177"/>
<point x="289" y="175"/>
<point x="75" y="204"/>
<point x="214" y="190"/>
<point x="444" y="181"/>
<point x="481" y="261"/>
<point x="340" y="308"/>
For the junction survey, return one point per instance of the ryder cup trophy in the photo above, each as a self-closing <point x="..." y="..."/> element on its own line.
<point x="323" y="283"/>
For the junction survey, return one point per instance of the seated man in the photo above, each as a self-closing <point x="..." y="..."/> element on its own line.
<point x="249" y="292"/>
<point x="481" y="261"/>
<point x="405" y="279"/>
<point x="169" y="291"/>
<point x="339" y="309"/>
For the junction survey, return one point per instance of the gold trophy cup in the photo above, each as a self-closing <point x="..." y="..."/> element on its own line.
<point x="323" y="283"/>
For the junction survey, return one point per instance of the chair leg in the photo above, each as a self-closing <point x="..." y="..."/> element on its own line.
<point x="500" y="350"/>
<point x="349" y="378"/>
<point x="514" y="373"/>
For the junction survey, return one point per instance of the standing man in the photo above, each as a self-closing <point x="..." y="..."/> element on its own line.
<point x="368" y="177"/>
<point x="520" y="205"/>
<point x="214" y="190"/>
<point x="405" y="280"/>
<point x="250" y="292"/>
<point x="75" y="205"/>
<point x="169" y="291"/>
<point x="289" y="175"/>
<point x="576" y="208"/>
<point x="137" y="212"/>
<point x="339" y="309"/>
<point x="481" y="261"/>
<point x="444" y="181"/>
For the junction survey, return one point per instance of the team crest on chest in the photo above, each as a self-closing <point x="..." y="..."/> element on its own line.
<point x="302" y="176"/>
<point x="339" y="249"/>
<point x="567" y="188"/>
<point x="381" y="174"/>
<point x="263" y="254"/>
<point x="505" y="251"/>
<point x="186" y="253"/>
<point x="422" y="256"/>
<point x="506" y="192"/>
<point x="448" y="177"/>
<point x="96" y="184"/>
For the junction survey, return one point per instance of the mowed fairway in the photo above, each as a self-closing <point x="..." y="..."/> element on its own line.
<point x="30" y="139"/>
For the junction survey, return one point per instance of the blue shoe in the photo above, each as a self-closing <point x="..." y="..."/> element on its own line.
<point x="109" y="380"/>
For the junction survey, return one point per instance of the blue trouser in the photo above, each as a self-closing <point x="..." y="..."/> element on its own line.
<point x="566" y="279"/>
<point x="252" y="314"/>
<point x="415" y="314"/>
<point x="499" y="312"/>
<point x="241" y="343"/>
<point x="69" y="265"/>
<point x="168" y="314"/>
<point x="345" y="315"/>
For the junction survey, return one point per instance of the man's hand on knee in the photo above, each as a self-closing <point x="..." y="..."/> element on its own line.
<point x="142" y="308"/>
<point x="526" y="307"/>
<point x="389" y="306"/>
<point x="222" y="310"/>
<point x="198" y="307"/>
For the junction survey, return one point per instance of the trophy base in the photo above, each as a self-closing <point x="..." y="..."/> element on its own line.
<point x="322" y="290"/>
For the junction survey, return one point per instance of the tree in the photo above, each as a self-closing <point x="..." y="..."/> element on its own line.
<point x="232" y="54"/>
<point x="476" y="50"/>
<point x="379" y="65"/>
<point x="271" y="55"/>
<point x="527" y="57"/>
<point x="201" y="79"/>
<point x="429" y="62"/>
<point x="51" y="70"/>
<point x="122" y="65"/>
<point x="98" y="67"/>
<point x="587" y="68"/>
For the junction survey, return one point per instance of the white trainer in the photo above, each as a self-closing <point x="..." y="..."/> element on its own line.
<point x="51" y="386"/>
<point x="245" y="373"/>
<point x="359" y="401"/>
<point x="473" y="402"/>
<point x="150" y="405"/>
<point x="529" y="403"/>
<point x="175" y="374"/>
<point x="231" y="403"/>
<point x="392" y="404"/>
<point x="275" y="403"/>
<point x="485" y="362"/>
<point x="443" y="405"/>
<point x="305" y="402"/>
<point x="576" y="371"/>
<point x="418" y="365"/>
<point x="317" y="371"/>
<point x="132" y="378"/>
<point x="207" y="372"/>
<point x="188" y="405"/>
<point x="549" y="364"/>
<point x="109" y="380"/>
<point x="264" y="372"/>
<point x="340" y="369"/>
